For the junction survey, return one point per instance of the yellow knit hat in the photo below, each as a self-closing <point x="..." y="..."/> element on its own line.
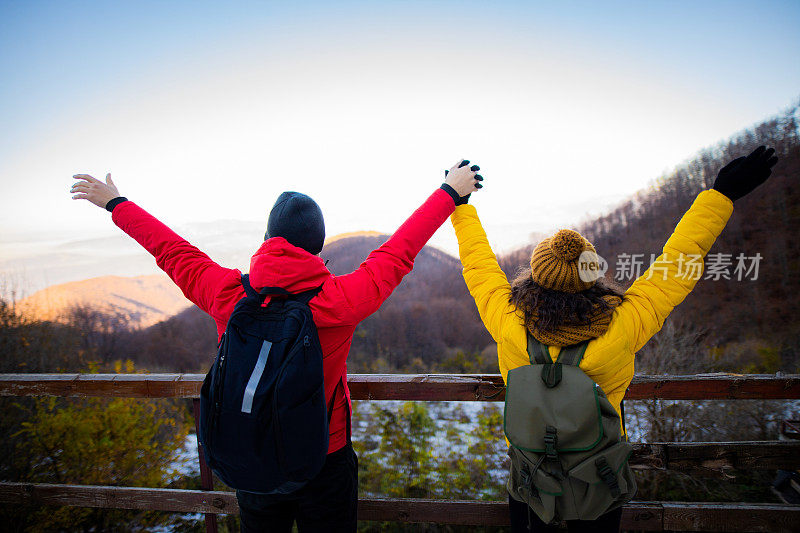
<point x="556" y="262"/>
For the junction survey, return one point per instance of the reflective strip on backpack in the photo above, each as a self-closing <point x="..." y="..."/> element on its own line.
<point x="255" y="377"/>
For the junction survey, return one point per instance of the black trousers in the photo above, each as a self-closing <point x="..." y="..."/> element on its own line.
<point x="327" y="503"/>
<point x="607" y="523"/>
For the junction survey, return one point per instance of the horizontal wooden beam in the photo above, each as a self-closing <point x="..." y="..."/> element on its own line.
<point x="755" y="517"/>
<point x="427" y="387"/>
<point x="643" y="516"/>
<point x="108" y="497"/>
<point x="424" y="387"/>
<point x="104" y="385"/>
<point x="715" y="387"/>
<point x="716" y="458"/>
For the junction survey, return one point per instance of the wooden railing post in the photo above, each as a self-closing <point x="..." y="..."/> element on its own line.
<point x="206" y="477"/>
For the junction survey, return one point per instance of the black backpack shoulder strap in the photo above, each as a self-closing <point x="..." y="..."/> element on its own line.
<point x="538" y="352"/>
<point x="340" y="385"/>
<point x="333" y="401"/>
<point x="306" y="296"/>
<point x="303" y="297"/>
<point x="572" y="355"/>
<point x="248" y="289"/>
<point x="265" y="291"/>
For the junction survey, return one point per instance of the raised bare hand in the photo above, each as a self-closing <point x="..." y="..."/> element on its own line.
<point x="94" y="190"/>
<point x="463" y="178"/>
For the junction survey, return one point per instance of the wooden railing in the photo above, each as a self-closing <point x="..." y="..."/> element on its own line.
<point x="697" y="457"/>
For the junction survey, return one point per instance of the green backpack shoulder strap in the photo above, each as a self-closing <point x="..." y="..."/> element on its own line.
<point x="572" y="355"/>
<point x="538" y="352"/>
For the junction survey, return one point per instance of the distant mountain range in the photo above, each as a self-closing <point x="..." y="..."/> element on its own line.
<point x="431" y="322"/>
<point x="147" y="300"/>
<point x="31" y="263"/>
<point x="141" y="300"/>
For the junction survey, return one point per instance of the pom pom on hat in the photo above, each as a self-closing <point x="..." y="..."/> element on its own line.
<point x="567" y="244"/>
<point x="554" y="262"/>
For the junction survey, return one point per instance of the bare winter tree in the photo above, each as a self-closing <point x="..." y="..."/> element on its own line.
<point x="102" y="334"/>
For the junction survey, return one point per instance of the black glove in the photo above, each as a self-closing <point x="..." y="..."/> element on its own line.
<point x="739" y="177"/>
<point x="461" y="200"/>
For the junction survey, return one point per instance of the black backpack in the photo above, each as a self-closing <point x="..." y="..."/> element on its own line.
<point x="263" y="418"/>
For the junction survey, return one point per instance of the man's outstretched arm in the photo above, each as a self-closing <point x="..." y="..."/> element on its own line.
<point x="369" y="285"/>
<point x="200" y="278"/>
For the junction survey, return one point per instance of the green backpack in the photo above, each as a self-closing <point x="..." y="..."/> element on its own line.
<point x="569" y="460"/>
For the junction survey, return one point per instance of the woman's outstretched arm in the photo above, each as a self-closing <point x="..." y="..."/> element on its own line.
<point x="486" y="282"/>
<point x="673" y="275"/>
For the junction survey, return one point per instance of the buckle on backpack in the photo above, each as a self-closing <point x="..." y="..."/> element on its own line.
<point x="551" y="453"/>
<point x="608" y="476"/>
<point x="551" y="374"/>
<point x="550" y="443"/>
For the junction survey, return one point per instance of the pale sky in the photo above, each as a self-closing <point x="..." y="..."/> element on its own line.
<point x="205" y="111"/>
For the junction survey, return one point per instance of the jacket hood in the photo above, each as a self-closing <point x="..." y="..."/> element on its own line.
<point x="277" y="263"/>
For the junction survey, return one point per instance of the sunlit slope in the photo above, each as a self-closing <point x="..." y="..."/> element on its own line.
<point x="143" y="300"/>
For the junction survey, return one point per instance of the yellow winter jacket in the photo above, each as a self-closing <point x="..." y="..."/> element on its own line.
<point x="608" y="359"/>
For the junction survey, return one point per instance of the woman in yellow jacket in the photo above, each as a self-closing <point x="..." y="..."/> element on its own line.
<point x="561" y="305"/>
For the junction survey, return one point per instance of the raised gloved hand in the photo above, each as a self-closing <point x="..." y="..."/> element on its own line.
<point x="459" y="189"/>
<point x="739" y="177"/>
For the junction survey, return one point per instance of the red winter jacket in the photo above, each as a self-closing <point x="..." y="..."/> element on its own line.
<point x="343" y="302"/>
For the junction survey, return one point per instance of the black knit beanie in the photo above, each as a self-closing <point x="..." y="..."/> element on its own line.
<point x="298" y="219"/>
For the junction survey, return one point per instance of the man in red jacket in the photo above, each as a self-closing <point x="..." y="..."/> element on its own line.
<point x="288" y="259"/>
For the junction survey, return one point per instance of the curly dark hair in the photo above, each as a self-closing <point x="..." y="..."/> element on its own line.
<point x="547" y="309"/>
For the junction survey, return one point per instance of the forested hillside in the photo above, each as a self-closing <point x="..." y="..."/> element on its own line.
<point x="759" y="312"/>
<point x="750" y="323"/>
